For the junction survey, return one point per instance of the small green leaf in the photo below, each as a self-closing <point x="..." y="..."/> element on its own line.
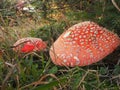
<point x="103" y="70"/>
<point x="53" y="70"/>
<point x="116" y="71"/>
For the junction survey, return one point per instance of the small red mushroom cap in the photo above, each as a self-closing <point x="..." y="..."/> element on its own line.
<point x="83" y="44"/>
<point x="29" y="44"/>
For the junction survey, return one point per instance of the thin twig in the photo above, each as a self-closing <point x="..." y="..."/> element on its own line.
<point x="18" y="83"/>
<point x="118" y="76"/>
<point x="7" y="77"/>
<point x="20" y="44"/>
<point x="83" y="78"/>
<point x="40" y="81"/>
<point x="114" y="3"/>
<point x="85" y="75"/>
<point x="9" y="64"/>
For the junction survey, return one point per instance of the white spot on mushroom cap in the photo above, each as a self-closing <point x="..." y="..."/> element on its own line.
<point x="77" y="60"/>
<point x="71" y="64"/>
<point x="67" y="34"/>
<point x="64" y="60"/>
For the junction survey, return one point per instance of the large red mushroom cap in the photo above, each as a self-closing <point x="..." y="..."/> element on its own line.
<point x="29" y="44"/>
<point x="83" y="44"/>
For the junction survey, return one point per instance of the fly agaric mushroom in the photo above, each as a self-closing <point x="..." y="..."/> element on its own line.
<point x="29" y="44"/>
<point x="83" y="44"/>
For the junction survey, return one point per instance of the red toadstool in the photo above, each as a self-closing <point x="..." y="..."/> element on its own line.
<point x="83" y="44"/>
<point x="29" y="44"/>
